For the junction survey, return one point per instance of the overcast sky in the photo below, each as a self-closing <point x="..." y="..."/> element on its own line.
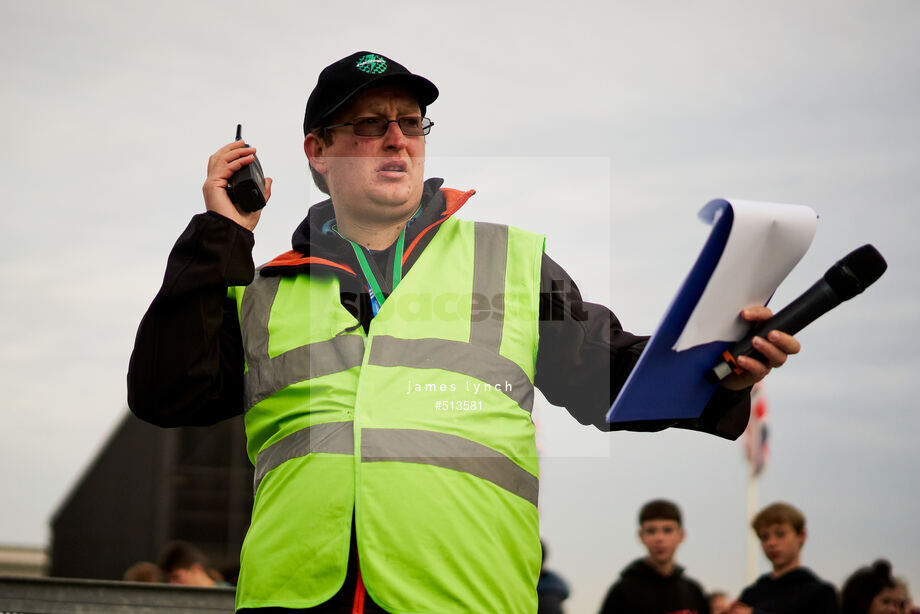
<point x="605" y="125"/>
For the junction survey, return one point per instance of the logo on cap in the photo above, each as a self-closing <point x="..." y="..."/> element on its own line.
<point x="371" y="63"/>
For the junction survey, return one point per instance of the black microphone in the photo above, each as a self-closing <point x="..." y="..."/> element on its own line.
<point x="850" y="276"/>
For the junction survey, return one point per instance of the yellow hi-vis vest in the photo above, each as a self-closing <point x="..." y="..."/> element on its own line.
<point x="422" y="428"/>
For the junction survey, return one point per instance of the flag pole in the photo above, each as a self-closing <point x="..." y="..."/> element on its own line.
<point x="756" y="451"/>
<point x="753" y="545"/>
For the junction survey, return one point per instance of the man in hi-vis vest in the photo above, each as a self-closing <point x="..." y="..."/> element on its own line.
<point x="386" y="367"/>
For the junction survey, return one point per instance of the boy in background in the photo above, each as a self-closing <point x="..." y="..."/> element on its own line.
<point x="789" y="588"/>
<point x="655" y="584"/>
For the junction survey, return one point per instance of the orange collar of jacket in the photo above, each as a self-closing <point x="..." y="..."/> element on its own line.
<point x="454" y="199"/>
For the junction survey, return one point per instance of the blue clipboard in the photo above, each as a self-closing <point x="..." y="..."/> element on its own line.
<point x="767" y="240"/>
<point x="666" y="384"/>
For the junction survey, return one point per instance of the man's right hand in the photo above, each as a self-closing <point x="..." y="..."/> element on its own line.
<point x="221" y="166"/>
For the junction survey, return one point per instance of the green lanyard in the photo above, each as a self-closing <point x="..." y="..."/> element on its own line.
<point x="377" y="297"/>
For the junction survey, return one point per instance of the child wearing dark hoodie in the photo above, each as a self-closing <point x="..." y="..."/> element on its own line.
<point x="789" y="588"/>
<point x="655" y="584"/>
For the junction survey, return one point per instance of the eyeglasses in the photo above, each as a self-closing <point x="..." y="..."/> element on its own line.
<point x="412" y="125"/>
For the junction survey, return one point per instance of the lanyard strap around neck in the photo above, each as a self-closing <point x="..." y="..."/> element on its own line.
<point x="373" y="283"/>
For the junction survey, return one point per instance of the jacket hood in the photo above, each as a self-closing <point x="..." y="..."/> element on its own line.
<point x="799" y="575"/>
<point x="315" y="241"/>
<point x="641" y="568"/>
<point x="316" y="229"/>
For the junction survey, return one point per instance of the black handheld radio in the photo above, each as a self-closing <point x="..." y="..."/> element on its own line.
<point x="246" y="188"/>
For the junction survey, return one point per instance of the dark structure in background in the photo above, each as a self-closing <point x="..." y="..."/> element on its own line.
<point x="148" y="486"/>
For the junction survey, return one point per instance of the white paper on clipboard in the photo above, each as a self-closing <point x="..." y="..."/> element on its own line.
<point x="773" y="237"/>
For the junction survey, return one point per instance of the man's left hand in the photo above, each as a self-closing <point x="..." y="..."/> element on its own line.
<point x="776" y="348"/>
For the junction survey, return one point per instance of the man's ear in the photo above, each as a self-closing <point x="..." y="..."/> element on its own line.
<point x="315" y="150"/>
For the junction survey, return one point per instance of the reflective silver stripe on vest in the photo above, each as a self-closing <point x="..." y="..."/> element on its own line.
<point x="330" y="437"/>
<point x="490" y="257"/>
<point x="459" y="357"/>
<point x="255" y="309"/>
<point x="450" y="452"/>
<point x="267" y="376"/>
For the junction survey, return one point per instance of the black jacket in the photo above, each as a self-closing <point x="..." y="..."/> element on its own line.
<point x="552" y="590"/>
<point x="642" y="590"/>
<point x="799" y="591"/>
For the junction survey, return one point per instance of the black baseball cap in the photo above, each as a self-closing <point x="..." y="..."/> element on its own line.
<point x="341" y="81"/>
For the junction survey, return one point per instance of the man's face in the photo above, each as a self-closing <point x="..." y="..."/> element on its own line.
<point x="374" y="179"/>
<point x="781" y="545"/>
<point x="661" y="538"/>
